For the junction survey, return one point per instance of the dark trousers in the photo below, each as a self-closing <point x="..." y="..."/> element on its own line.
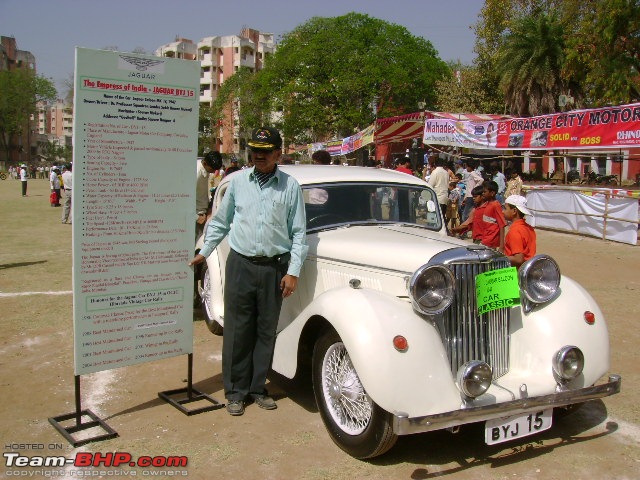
<point x="443" y="209"/>
<point x="24" y="188"/>
<point x="252" y="302"/>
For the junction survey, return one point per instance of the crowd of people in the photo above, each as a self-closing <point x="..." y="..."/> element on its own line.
<point x="32" y="171"/>
<point x="60" y="180"/>
<point x="481" y="202"/>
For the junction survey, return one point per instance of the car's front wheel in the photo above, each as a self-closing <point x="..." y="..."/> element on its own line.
<point x="204" y="288"/>
<point x="355" y="423"/>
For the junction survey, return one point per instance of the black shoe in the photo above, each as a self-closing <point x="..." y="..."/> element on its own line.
<point x="235" y="407"/>
<point x="266" y="402"/>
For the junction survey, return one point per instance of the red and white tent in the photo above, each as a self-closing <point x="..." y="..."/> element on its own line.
<point x="470" y="117"/>
<point x="400" y="128"/>
<point x="411" y="125"/>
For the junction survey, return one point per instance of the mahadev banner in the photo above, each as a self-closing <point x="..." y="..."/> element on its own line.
<point x="135" y="149"/>
<point x="460" y="133"/>
<point x="609" y="127"/>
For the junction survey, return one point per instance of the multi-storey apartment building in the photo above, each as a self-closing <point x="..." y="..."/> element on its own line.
<point x="220" y="57"/>
<point x="55" y="123"/>
<point x="181" y="48"/>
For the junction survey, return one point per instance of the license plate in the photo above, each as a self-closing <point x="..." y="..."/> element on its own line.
<point x="505" y="429"/>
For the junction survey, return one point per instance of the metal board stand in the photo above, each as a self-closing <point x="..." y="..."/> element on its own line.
<point x="67" y="432"/>
<point x="192" y="395"/>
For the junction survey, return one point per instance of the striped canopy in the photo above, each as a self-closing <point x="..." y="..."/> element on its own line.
<point x="411" y="125"/>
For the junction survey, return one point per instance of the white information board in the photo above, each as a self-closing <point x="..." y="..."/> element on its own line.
<point x="135" y="148"/>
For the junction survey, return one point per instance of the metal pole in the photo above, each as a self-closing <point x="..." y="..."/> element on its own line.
<point x="78" y="405"/>
<point x="190" y="376"/>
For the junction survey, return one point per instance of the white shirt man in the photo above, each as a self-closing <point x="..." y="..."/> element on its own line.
<point x="439" y="181"/>
<point x="67" y="181"/>
<point x="54" y="180"/>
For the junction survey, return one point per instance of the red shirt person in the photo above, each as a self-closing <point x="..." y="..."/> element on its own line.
<point x="493" y="222"/>
<point x="404" y="166"/>
<point x="520" y="242"/>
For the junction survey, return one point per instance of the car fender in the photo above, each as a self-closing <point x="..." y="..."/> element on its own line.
<point x="417" y="381"/>
<point x="537" y="336"/>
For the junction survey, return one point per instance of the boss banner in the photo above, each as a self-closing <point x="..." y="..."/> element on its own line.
<point x="608" y="127"/>
<point x="617" y="127"/>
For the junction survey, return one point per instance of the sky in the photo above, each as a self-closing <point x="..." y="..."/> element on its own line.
<point x="51" y="29"/>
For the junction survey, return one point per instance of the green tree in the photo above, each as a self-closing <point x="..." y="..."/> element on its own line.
<point x="52" y="151"/>
<point x="330" y="76"/>
<point x="600" y="45"/>
<point x="20" y="91"/>
<point x="604" y="49"/>
<point x="464" y="91"/>
<point x="529" y="63"/>
<point x="494" y="19"/>
<point x="238" y="104"/>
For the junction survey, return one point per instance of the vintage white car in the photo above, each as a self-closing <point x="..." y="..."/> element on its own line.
<point x="409" y="330"/>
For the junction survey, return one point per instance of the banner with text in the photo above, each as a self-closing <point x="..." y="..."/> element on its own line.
<point x="346" y="145"/>
<point x="460" y="133"/>
<point x="135" y="149"/>
<point x="609" y="127"/>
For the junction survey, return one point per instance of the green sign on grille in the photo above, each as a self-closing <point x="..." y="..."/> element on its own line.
<point x="497" y="289"/>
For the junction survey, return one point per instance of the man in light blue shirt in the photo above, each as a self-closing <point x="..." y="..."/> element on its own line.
<point x="263" y="213"/>
<point x="499" y="178"/>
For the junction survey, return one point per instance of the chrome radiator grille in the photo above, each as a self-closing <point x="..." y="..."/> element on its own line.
<point x="467" y="335"/>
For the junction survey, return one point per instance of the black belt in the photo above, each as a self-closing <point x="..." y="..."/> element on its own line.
<point x="264" y="259"/>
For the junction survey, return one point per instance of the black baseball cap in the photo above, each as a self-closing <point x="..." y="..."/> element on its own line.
<point x="265" y="138"/>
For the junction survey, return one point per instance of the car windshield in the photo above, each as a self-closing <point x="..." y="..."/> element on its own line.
<point x="332" y="205"/>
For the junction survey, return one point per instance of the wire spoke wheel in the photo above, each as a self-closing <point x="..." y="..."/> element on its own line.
<point x="348" y="404"/>
<point x="353" y="420"/>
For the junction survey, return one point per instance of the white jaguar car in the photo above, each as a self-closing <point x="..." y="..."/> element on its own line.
<point x="408" y="330"/>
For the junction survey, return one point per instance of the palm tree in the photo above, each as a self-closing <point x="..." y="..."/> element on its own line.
<point x="530" y="63"/>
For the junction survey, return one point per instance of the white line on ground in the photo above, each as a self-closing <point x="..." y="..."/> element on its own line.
<point x="628" y="430"/>
<point x="22" y="294"/>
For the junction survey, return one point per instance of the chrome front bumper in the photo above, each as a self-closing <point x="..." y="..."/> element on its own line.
<point x="403" y="425"/>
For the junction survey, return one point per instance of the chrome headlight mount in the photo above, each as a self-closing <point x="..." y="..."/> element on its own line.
<point x="474" y="378"/>
<point x="539" y="281"/>
<point x="568" y="363"/>
<point x="432" y="289"/>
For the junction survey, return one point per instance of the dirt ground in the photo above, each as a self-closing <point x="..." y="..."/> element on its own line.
<point x="600" y="441"/>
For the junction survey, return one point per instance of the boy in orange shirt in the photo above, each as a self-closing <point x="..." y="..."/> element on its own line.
<point x="520" y="243"/>
<point x="493" y="222"/>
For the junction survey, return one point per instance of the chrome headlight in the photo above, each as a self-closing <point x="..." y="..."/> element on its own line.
<point x="431" y="289"/>
<point x="540" y="279"/>
<point x="474" y="378"/>
<point x="568" y="363"/>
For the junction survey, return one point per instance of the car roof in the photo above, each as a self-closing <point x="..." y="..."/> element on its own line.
<point x="315" y="174"/>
